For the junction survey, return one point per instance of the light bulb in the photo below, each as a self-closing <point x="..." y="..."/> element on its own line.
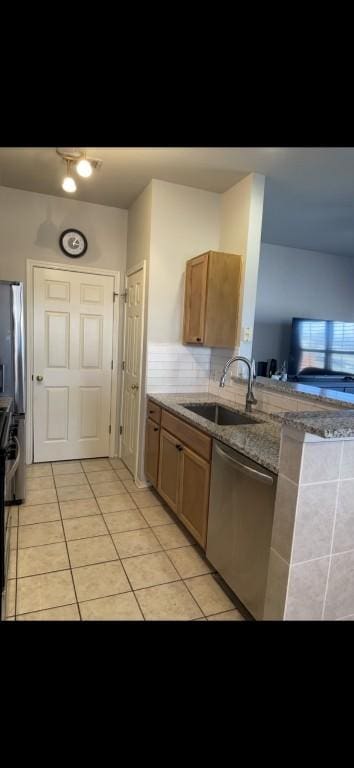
<point x="84" y="168"/>
<point x="69" y="184"/>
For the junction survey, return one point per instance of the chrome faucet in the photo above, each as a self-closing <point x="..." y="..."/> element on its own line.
<point x="250" y="398"/>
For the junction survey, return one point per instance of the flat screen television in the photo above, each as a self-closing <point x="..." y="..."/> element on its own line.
<point x="321" y="348"/>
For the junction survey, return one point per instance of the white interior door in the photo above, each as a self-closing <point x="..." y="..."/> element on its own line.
<point x="132" y="370"/>
<point x="72" y="356"/>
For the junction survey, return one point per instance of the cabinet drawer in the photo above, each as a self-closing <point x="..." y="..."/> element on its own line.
<point x="153" y="411"/>
<point x="193" y="438"/>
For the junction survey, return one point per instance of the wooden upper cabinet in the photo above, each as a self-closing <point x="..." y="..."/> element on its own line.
<point x="212" y="299"/>
<point x="195" y="299"/>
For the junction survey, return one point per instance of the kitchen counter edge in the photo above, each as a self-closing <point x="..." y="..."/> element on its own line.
<point x="259" y="441"/>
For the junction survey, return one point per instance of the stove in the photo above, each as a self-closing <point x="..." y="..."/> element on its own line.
<point x="8" y="459"/>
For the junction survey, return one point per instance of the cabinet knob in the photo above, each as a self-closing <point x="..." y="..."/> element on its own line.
<point x="198" y="338"/>
<point x="156" y="429"/>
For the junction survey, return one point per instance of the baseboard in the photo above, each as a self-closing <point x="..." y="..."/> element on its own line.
<point x="139" y="483"/>
<point x="142" y="483"/>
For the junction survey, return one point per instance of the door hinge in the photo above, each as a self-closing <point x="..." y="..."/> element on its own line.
<point x="114" y="295"/>
<point x="125" y="295"/>
<point x="109" y="429"/>
<point x="112" y="364"/>
<point x="123" y="365"/>
<point x="120" y="430"/>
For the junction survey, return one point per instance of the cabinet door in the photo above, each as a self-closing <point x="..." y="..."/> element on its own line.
<point x="223" y="299"/>
<point x="152" y="441"/>
<point x="169" y="469"/>
<point x="195" y="299"/>
<point x="193" y="502"/>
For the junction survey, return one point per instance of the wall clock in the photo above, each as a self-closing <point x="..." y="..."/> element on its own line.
<point x="73" y="243"/>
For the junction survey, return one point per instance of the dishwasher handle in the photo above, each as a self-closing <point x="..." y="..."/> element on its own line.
<point x="245" y="469"/>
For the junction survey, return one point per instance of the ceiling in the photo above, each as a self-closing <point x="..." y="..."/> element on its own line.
<point x="309" y="199"/>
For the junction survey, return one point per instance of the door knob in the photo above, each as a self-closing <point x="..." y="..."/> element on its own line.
<point x="39" y="378"/>
<point x="135" y="386"/>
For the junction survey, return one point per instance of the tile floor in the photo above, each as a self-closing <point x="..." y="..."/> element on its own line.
<point x="89" y="545"/>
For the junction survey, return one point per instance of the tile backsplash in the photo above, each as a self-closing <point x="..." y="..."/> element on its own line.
<point x="177" y="368"/>
<point x="184" y="368"/>
<point x="218" y="359"/>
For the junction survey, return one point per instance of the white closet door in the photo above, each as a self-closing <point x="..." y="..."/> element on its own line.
<point x="131" y="395"/>
<point x="72" y="352"/>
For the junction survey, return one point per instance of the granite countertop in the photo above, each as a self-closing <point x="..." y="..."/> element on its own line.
<point x="330" y="424"/>
<point x="258" y="441"/>
<point x="336" y="423"/>
<point x="307" y="392"/>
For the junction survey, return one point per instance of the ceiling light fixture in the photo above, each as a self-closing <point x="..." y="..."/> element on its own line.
<point x="69" y="184"/>
<point x="84" y="167"/>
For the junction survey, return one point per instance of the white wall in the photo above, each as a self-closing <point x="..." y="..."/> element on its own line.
<point x="167" y="225"/>
<point x="139" y="228"/>
<point x="298" y="283"/>
<point x="184" y="223"/>
<point x="138" y="251"/>
<point x="234" y="215"/>
<point x="30" y="226"/>
<point x="240" y="232"/>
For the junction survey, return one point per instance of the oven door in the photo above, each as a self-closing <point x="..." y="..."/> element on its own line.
<point x="6" y="500"/>
<point x="13" y="456"/>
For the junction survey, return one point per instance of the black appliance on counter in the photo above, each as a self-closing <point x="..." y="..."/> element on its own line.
<point x="322" y="353"/>
<point x="266" y="368"/>
<point x="12" y="414"/>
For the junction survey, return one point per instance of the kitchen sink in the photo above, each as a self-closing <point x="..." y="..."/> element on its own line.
<point x="221" y="415"/>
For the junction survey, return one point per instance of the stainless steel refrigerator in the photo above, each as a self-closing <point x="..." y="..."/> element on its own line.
<point x="12" y="375"/>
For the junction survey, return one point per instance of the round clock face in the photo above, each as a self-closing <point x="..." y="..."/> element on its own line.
<point x="73" y="243"/>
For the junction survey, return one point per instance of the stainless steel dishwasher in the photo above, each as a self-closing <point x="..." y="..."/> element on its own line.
<point x="241" y="509"/>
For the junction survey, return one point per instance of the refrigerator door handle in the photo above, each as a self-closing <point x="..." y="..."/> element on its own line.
<point x="18" y="337"/>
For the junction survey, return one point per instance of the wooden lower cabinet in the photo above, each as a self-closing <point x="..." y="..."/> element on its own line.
<point x="152" y="446"/>
<point x="180" y="474"/>
<point x="193" y="499"/>
<point x="169" y="469"/>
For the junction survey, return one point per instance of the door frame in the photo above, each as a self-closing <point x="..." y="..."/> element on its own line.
<point x="31" y="265"/>
<point x="129" y="272"/>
